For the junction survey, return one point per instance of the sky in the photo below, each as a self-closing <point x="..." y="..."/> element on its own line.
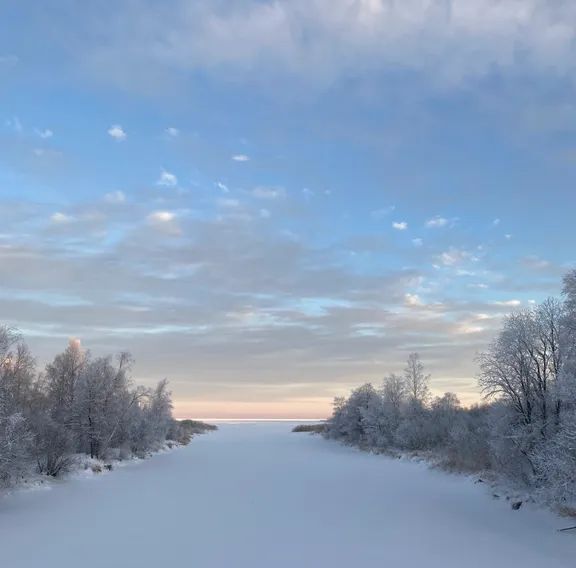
<point x="271" y="202"/>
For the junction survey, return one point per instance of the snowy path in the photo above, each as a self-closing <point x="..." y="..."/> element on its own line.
<point x="256" y="495"/>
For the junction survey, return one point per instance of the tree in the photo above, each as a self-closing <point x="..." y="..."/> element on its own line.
<point x="16" y="370"/>
<point x="393" y="403"/>
<point x="14" y="446"/>
<point x="416" y="381"/>
<point x="79" y="405"/>
<point x="352" y="415"/>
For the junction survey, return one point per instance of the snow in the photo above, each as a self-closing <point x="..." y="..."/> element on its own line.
<point x="257" y="495"/>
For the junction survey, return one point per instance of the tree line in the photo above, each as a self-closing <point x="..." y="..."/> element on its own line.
<point x="79" y="405"/>
<point x="524" y="431"/>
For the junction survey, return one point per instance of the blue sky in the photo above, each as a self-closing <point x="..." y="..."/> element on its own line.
<point x="269" y="202"/>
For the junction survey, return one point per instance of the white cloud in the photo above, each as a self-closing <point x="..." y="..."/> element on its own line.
<point x="60" y="218"/>
<point x="161" y="217"/>
<point x="324" y="41"/>
<point x="165" y="222"/>
<point x="45" y="134"/>
<point x="412" y="300"/>
<point x="483" y="317"/>
<point x="496" y="222"/>
<point x="115" y="197"/>
<point x="241" y="158"/>
<point x="467" y="329"/>
<point x="508" y="236"/>
<point x="454" y="256"/>
<point x="223" y="187"/>
<point x="400" y="225"/>
<point x="117" y="132"/>
<point x="167" y="179"/>
<point x="509" y="303"/>
<point x="172" y="132"/>
<point x="417" y="242"/>
<point x="268" y="192"/>
<point x="265" y="213"/>
<point x="436" y="222"/>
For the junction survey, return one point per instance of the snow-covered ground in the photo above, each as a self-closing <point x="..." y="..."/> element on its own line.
<point x="256" y="495"/>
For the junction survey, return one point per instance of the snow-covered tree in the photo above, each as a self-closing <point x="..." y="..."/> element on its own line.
<point x="416" y="381"/>
<point x="78" y="405"/>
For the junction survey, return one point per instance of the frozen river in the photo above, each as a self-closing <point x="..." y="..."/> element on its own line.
<point x="255" y="495"/>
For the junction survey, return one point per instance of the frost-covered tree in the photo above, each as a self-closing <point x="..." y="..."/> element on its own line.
<point x="16" y="372"/>
<point x="78" y="405"/>
<point x="416" y="381"/>
<point x="352" y="415"/>
<point x="394" y="404"/>
<point x="525" y="431"/>
<point x="414" y="432"/>
<point x="444" y="416"/>
<point x="555" y="461"/>
<point x="15" y="438"/>
<point x="522" y="368"/>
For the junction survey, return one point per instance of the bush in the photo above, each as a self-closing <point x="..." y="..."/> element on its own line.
<point x="313" y="428"/>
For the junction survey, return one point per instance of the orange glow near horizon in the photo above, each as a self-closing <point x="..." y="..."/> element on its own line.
<point x="299" y="410"/>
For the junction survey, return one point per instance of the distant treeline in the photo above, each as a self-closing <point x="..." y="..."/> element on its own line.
<point x="78" y="405"/>
<point x="526" y="429"/>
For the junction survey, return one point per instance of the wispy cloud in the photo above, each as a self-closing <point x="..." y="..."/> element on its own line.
<point x="400" y="225"/>
<point x="60" y="218"/>
<point x="263" y="192"/>
<point x="454" y="256"/>
<point x="509" y="303"/>
<point x="436" y="222"/>
<point x="14" y="124"/>
<point x="45" y="133"/>
<point x="161" y="217"/>
<point x="115" y="197"/>
<point x="229" y="203"/>
<point x="240" y="158"/>
<point x="452" y="41"/>
<point x="167" y="179"/>
<point x="382" y="212"/>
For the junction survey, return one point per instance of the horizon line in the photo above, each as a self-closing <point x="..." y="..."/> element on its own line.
<point x="215" y="419"/>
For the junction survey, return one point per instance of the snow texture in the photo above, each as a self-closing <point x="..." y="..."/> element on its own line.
<point x="256" y="495"/>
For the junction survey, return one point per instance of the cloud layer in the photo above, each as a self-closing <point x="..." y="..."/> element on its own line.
<point x="324" y="41"/>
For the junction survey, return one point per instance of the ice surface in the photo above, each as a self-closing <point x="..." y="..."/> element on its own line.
<point x="256" y="495"/>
